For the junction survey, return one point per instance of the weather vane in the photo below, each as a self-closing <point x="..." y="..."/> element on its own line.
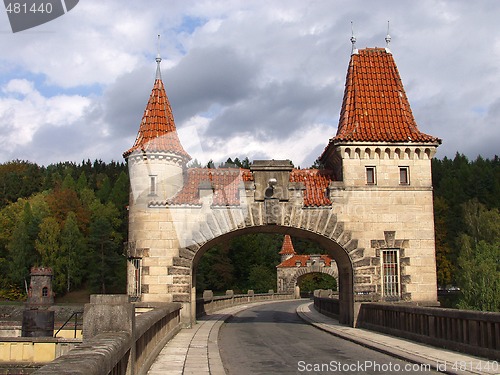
<point x="353" y="40"/>
<point x="387" y="37"/>
<point x="158" y="60"/>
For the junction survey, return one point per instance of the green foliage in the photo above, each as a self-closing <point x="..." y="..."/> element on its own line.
<point x="457" y="181"/>
<point x="22" y="247"/>
<point x="479" y="258"/>
<point x="262" y="278"/>
<point x="445" y="259"/>
<point x="238" y="264"/>
<point x="312" y="281"/>
<point x="74" y="252"/>
<point x="12" y="293"/>
<point x="215" y="272"/>
<point x="19" y="179"/>
<point x="46" y="217"/>
<point x="248" y="262"/>
<point x="48" y="241"/>
<point x="479" y="277"/>
<point x="107" y="271"/>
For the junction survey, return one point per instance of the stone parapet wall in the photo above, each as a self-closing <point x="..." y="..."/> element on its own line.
<point x="211" y="304"/>
<point x="116" y="340"/>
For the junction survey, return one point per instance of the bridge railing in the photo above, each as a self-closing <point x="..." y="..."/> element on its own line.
<point x="128" y="344"/>
<point x="471" y="332"/>
<point x="210" y="303"/>
<point x="329" y="306"/>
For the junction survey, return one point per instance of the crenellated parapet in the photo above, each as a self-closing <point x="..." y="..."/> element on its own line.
<point x="387" y="152"/>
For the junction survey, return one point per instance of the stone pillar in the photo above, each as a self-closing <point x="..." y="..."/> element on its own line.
<point x="297" y="292"/>
<point x="108" y="313"/>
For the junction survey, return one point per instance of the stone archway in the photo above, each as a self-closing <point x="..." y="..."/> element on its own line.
<point x="302" y="271"/>
<point x="193" y="253"/>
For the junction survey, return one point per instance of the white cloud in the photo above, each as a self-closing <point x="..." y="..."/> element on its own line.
<point x="251" y="77"/>
<point x="23" y="111"/>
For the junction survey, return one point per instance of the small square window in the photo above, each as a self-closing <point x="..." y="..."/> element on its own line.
<point x="404" y="176"/>
<point x="370" y="175"/>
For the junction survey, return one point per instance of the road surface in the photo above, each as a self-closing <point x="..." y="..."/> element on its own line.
<point x="272" y="339"/>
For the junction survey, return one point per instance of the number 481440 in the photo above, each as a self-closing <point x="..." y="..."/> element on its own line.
<point x="18" y="8"/>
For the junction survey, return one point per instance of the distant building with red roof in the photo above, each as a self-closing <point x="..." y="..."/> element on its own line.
<point x="293" y="266"/>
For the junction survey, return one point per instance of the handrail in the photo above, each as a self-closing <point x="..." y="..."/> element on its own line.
<point x="75" y="314"/>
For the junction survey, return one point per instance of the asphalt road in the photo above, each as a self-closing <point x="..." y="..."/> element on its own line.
<point x="272" y="339"/>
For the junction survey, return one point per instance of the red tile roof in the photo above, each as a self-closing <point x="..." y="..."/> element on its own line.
<point x="292" y="262"/>
<point x="157" y="132"/>
<point x="223" y="182"/>
<point x="375" y="107"/>
<point x="316" y="182"/>
<point x="287" y="247"/>
<point x="225" y="185"/>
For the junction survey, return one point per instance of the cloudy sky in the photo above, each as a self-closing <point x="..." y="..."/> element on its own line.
<point x="262" y="79"/>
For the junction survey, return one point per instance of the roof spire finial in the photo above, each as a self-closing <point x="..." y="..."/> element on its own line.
<point x="354" y="50"/>
<point x="387" y="39"/>
<point x="158" y="60"/>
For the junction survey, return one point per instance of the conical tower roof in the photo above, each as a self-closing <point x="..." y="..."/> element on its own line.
<point x="157" y="132"/>
<point x="287" y="247"/>
<point x="375" y="107"/>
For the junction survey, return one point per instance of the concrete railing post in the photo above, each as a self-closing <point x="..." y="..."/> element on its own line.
<point x="110" y="313"/>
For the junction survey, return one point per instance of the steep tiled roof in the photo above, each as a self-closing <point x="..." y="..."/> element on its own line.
<point x="225" y="184"/>
<point x="287" y="247"/>
<point x="316" y="182"/>
<point x="292" y="262"/>
<point x="375" y="107"/>
<point x="157" y="132"/>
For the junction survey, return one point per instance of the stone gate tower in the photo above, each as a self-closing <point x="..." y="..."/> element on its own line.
<point x="369" y="206"/>
<point x="382" y="164"/>
<point x="157" y="165"/>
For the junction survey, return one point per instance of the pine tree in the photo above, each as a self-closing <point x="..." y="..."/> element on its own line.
<point x="48" y="242"/>
<point x="74" y="251"/>
<point x="21" y="247"/>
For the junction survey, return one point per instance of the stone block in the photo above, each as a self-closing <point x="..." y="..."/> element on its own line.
<point x="208" y="295"/>
<point x="181" y="298"/>
<point x="108" y="313"/>
<point x="178" y="289"/>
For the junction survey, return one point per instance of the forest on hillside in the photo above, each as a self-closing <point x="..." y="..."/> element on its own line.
<point x="73" y="218"/>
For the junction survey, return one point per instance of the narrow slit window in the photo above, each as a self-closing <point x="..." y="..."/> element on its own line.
<point x="404" y="176"/>
<point x="390" y="273"/>
<point x="370" y="175"/>
<point x="152" y="185"/>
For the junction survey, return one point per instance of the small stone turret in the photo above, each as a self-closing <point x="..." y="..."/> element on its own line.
<point x="38" y="320"/>
<point x="40" y="291"/>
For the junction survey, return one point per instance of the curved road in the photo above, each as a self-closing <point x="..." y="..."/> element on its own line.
<point x="272" y="339"/>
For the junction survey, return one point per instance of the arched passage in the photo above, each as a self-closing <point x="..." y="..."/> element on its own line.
<point x="334" y="250"/>
<point x="303" y="271"/>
